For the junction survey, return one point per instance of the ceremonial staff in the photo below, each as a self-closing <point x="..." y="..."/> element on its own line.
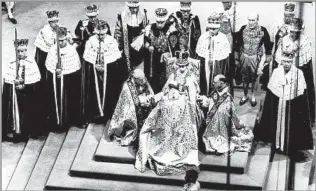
<point x="229" y="186"/>
<point x="16" y="54"/>
<point x="151" y="53"/>
<point x="234" y="17"/>
<point x="16" y="116"/>
<point x="290" y="162"/>
<point x="19" y="79"/>
<point x="59" y="76"/>
<point x="189" y="42"/>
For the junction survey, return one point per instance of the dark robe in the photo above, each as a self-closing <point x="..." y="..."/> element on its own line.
<point x="91" y="109"/>
<point x="190" y="27"/>
<point x="68" y="103"/>
<point x="308" y="72"/>
<point x="163" y="40"/>
<point x="28" y="110"/>
<point x="303" y="62"/>
<point x="290" y="115"/>
<point x="100" y="102"/>
<point x="301" y="137"/>
<point x="220" y="52"/>
<point x="264" y="78"/>
<point x="221" y="67"/>
<point x="29" y="119"/>
<point x="226" y="28"/>
<point x="125" y="34"/>
<point x="83" y="36"/>
<point x="40" y="58"/>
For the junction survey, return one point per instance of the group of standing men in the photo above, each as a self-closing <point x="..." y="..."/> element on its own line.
<point x="77" y="80"/>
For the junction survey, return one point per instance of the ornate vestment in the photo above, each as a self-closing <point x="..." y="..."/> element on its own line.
<point x="285" y="121"/>
<point x="100" y="87"/>
<point x="213" y="53"/>
<point x="130" y="114"/>
<point x="168" y="138"/>
<point x="222" y="118"/>
<point x="64" y="93"/>
<point x="20" y="109"/>
<point x="190" y="28"/>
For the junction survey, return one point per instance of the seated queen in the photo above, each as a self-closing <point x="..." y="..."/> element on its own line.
<point x="168" y="140"/>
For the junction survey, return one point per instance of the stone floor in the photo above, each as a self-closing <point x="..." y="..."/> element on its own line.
<point x="31" y="17"/>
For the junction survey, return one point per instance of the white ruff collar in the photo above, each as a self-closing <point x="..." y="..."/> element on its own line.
<point x="32" y="74"/>
<point x="287" y="86"/>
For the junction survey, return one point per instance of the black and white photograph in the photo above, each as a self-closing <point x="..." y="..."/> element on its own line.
<point x="158" y="95"/>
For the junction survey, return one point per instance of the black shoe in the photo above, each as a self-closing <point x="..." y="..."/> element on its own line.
<point x="299" y="156"/>
<point x="83" y="126"/>
<point x="253" y="103"/>
<point x="20" y="138"/>
<point x="243" y="101"/>
<point x="13" y="20"/>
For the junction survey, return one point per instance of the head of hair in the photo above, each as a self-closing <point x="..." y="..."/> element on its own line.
<point x="253" y="15"/>
<point x="138" y="73"/>
<point x="191" y="176"/>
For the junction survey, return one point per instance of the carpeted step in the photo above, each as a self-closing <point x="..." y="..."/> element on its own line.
<point x="85" y="166"/>
<point x="112" y="152"/>
<point x="10" y="160"/>
<point x="26" y="164"/>
<point x="60" y="178"/>
<point x="46" y="161"/>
